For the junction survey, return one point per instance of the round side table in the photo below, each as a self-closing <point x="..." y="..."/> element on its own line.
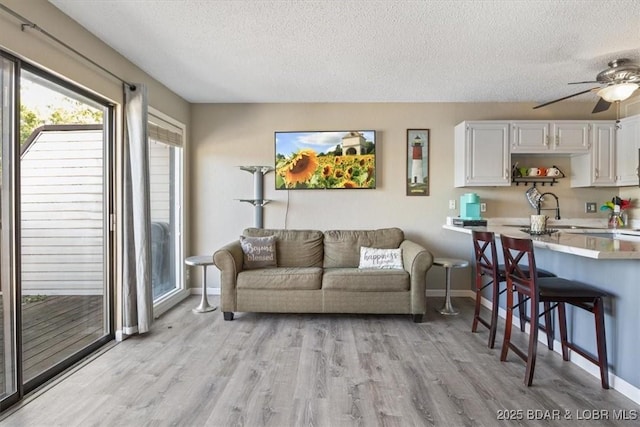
<point x="203" y="261"/>
<point x="448" y="264"/>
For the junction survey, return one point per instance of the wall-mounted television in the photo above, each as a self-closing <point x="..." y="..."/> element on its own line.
<point x="325" y="160"/>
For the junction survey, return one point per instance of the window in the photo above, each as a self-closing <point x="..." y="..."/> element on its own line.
<point x="166" y="179"/>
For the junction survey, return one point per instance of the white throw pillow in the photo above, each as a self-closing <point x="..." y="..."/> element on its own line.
<point x="380" y="258"/>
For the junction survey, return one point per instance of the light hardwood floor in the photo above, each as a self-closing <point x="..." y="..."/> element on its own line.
<point x="319" y="370"/>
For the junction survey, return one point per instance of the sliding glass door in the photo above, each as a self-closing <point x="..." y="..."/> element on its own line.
<point x="55" y="231"/>
<point x="63" y="226"/>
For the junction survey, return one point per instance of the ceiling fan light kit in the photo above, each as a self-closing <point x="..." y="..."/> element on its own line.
<point x="617" y="92"/>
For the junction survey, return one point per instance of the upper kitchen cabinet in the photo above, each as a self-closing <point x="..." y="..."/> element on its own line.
<point x="481" y="154"/>
<point x="597" y="168"/>
<point x="627" y="147"/>
<point x="534" y="136"/>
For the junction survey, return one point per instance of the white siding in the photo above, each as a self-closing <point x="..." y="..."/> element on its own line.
<point x="62" y="213"/>
<point x="159" y="181"/>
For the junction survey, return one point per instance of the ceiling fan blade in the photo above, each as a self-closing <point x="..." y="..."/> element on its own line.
<point x="579" y="83"/>
<point x="601" y="106"/>
<point x="563" y="98"/>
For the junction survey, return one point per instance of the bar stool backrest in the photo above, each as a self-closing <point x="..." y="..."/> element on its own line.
<point x="520" y="265"/>
<point x="486" y="255"/>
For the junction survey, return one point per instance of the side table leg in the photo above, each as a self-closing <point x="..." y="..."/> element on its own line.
<point x="204" y="302"/>
<point x="447" y="308"/>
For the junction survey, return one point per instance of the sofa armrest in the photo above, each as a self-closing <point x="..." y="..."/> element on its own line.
<point x="417" y="260"/>
<point x="228" y="259"/>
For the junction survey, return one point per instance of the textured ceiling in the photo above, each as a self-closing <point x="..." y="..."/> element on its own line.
<point x="366" y="51"/>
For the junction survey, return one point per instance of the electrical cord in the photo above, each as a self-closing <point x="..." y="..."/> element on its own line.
<point x="286" y="211"/>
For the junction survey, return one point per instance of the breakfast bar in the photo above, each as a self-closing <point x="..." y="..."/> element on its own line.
<point x="604" y="258"/>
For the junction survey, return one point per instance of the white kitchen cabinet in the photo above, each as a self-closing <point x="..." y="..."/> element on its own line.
<point x="596" y="168"/>
<point x="563" y="136"/>
<point x="530" y="137"/>
<point x="628" y="144"/>
<point x="481" y="154"/>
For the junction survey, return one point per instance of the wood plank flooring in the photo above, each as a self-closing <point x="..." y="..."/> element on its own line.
<point x="319" y="370"/>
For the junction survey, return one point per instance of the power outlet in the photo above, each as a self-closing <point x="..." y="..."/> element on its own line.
<point x="452" y="204"/>
<point x="590" y="207"/>
<point x="483" y="207"/>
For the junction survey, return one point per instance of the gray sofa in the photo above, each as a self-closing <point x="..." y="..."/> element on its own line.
<point x="317" y="272"/>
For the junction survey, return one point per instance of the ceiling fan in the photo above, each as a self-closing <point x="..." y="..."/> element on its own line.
<point x="618" y="82"/>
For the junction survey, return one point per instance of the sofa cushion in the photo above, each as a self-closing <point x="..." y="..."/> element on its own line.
<point x="342" y="247"/>
<point x="365" y="280"/>
<point x="294" y="248"/>
<point x="259" y="252"/>
<point x="281" y="278"/>
<point x="380" y="258"/>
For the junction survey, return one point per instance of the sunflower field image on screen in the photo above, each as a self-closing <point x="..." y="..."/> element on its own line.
<point x="325" y="160"/>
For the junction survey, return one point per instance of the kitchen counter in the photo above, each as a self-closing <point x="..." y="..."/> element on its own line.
<point x="596" y="242"/>
<point x="603" y="258"/>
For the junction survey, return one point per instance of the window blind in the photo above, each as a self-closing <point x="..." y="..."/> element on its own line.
<point x="161" y="131"/>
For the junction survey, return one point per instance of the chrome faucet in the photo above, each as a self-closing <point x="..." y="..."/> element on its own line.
<point x="557" y="208"/>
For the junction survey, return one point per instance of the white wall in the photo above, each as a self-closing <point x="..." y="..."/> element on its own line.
<point x="227" y="136"/>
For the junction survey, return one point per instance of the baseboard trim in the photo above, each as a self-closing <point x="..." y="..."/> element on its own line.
<point x="615" y="382"/>
<point x="210" y="291"/>
<point x="466" y="293"/>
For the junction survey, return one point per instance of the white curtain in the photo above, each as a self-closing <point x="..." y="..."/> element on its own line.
<point x="137" y="292"/>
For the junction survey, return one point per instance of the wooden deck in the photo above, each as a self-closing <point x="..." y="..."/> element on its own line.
<point x="55" y="327"/>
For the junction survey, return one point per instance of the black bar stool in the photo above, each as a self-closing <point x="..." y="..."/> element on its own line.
<point x="485" y="254"/>
<point x="551" y="290"/>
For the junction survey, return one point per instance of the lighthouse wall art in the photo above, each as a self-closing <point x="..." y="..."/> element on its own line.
<point x="417" y="162"/>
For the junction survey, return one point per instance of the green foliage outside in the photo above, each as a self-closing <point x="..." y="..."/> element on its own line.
<point x="70" y="112"/>
<point x="29" y="120"/>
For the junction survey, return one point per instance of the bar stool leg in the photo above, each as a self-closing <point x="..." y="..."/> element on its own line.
<point x="598" y="311"/>
<point x="204" y="302"/>
<point x="476" y="311"/>
<point x="493" y="328"/>
<point x="447" y="308"/>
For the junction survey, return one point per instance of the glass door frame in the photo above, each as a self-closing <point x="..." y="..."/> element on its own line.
<point x="10" y="233"/>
